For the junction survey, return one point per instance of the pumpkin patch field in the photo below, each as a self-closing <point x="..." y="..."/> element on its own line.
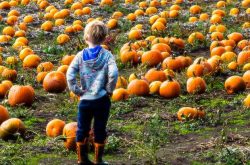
<point x="182" y="96"/>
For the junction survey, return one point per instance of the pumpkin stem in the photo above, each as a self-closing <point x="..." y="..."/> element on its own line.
<point x="170" y="78"/>
<point x="194" y="74"/>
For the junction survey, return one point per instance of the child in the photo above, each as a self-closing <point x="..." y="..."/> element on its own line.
<point x="98" y="76"/>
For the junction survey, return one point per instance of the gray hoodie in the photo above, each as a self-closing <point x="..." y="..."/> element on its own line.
<point x="98" y="76"/>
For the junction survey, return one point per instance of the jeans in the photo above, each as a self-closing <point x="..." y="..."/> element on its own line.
<point x="89" y="109"/>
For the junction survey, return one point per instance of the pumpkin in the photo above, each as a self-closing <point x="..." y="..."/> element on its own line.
<point x="3" y="90"/>
<point x="172" y="63"/>
<point x="66" y="60"/>
<point x="128" y="56"/>
<point x="47" y="26"/>
<point x="25" y="52"/>
<point x="40" y="77"/>
<point x="63" y="69"/>
<point x="8" y="30"/>
<point x="162" y="47"/>
<point x="4" y="114"/>
<point x="69" y="131"/>
<point x="5" y="5"/>
<point x="55" y="128"/>
<point x="158" y="26"/>
<point x="242" y="44"/>
<point x="189" y="113"/>
<point x="121" y="82"/>
<point x="232" y="66"/>
<point x="235" y="36"/>
<point x="195" y="70"/>
<point x="151" y="58"/>
<point x="135" y="34"/>
<point x="204" y="17"/>
<point x="62" y="39"/>
<point x="246" y="101"/>
<point x="243" y="57"/>
<point x="31" y="61"/>
<point x="9" y="74"/>
<point x="155" y="75"/>
<point x="196" y="85"/>
<point x="246" y="78"/>
<point x="195" y="9"/>
<point x="120" y="94"/>
<point x="10" y="127"/>
<point x="21" y="95"/>
<point x="55" y="82"/>
<point x="45" y="67"/>
<point x="138" y="87"/>
<point x="112" y="23"/>
<point x="154" y="87"/>
<point x="234" y="84"/>
<point x="218" y="51"/>
<point x="170" y="89"/>
<point x="228" y="56"/>
<point x="8" y="83"/>
<point x="196" y="36"/>
<point x="132" y="76"/>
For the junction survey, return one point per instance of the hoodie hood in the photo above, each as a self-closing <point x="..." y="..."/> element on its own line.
<point x="99" y="61"/>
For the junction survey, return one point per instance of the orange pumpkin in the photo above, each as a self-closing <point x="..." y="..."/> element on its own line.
<point x="247" y="101"/>
<point x="246" y="78"/>
<point x="31" y="61"/>
<point x="196" y="85"/>
<point x="63" y="69"/>
<point x="120" y="94"/>
<point x="62" y="39"/>
<point x="45" y="67"/>
<point x="121" y="82"/>
<point x="170" y="89"/>
<point x="234" y="84"/>
<point x="21" y="95"/>
<point x="235" y="36"/>
<point x="40" y="77"/>
<point x="69" y="131"/>
<point x="66" y="60"/>
<point x="4" y="114"/>
<point x="138" y="87"/>
<point x="172" y="63"/>
<point x="55" y="128"/>
<point x="9" y="74"/>
<point x="151" y="58"/>
<point x="155" y="75"/>
<point x="187" y="113"/>
<point x="55" y="82"/>
<point x="3" y="90"/>
<point x="10" y="127"/>
<point x="25" y="52"/>
<point x="154" y="87"/>
<point x="243" y="57"/>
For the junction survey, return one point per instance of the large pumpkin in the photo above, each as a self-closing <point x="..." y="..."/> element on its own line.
<point x="55" y="82"/>
<point x="69" y="131"/>
<point x="170" y="89"/>
<point x="151" y="58"/>
<point x="4" y="114"/>
<point x="196" y="85"/>
<point x="189" y="113"/>
<point x="120" y="94"/>
<point x="138" y="87"/>
<point x="10" y="127"/>
<point x="55" y="128"/>
<point x="21" y="95"/>
<point x="155" y="75"/>
<point x="234" y="84"/>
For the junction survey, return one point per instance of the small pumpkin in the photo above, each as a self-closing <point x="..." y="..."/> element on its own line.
<point x="155" y="75"/>
<point x="196" y="85"/>
<point x="4" y="114"/>
<point x="10" y="127"/>
<point x="55" y="82"/>
<point x="21" y="95"/>
<point x="234" y="84"/>
<point x="154" y="87"/>
<point x="31" y="61"/>
<point x="66" y="60"/>
<point x="45" y="67"/>
<point x="189" y="113"/>
<point x="69" y="131"/>
<point x="63" y="69"/>
<point x="121" y="82"/>
<point x="40" y="77"/>
<point x="170" y="89"/>
<point x="9" y="74"/>
<point x="120" y="94"/>
<point x="246" y="101"/>
<point x="151" y="58"/>
<point x="138" y="87"/>
<point x="246" y="78"/>
<point x="55" y="128"/>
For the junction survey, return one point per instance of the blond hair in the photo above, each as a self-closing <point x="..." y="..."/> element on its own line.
<point x="95" y="32"/>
